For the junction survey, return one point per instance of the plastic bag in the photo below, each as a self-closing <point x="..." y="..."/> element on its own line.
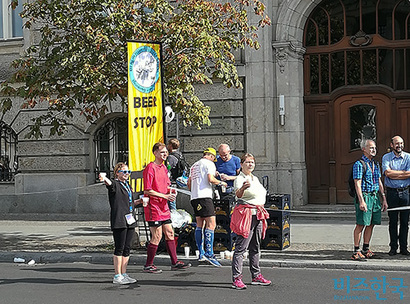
<point x="180" y="218"/>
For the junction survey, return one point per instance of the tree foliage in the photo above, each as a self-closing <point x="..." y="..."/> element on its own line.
<point x="80" y="60"/>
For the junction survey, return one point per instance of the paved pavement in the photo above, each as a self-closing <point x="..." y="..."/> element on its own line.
<point x="318" y="239"/>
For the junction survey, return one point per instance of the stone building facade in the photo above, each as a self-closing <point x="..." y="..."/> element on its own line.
<point x="305" y="153"/>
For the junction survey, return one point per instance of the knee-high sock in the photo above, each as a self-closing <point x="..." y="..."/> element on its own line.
<point x="199" y="240"/>
<point x="172" y="251"/>
<point x="151" y="251"/>
<point x="209" y="242"/>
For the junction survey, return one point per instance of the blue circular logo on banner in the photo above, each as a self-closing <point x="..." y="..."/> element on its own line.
<point x="144" y="69"/>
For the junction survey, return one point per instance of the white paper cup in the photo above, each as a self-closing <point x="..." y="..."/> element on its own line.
<point x="145" y="201"/>
<point x="187" y="249"/>
<point x="197" y="254"/>
<point x="222" y="254"/>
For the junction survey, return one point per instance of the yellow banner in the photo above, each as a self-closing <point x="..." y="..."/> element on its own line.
<point x="145" y="114"/>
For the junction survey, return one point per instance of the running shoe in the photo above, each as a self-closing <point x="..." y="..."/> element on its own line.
<point x="358" y="256"/>
<point x="213" y="261"/>
<point x="260" y="280"/>
<point x="201" y="258"/>
<point x="129" y="279"/>
<point x="119" y="279"/>
<point x="238" y="284"/>
<point x="151" y="269"/>
<point x="180" y="266"/>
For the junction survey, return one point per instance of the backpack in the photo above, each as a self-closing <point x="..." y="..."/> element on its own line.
<point x="181" y="166"/>
<point x="351" y="187"/>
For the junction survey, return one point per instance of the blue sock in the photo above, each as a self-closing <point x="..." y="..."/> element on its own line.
<point x="199" y="240"/>
<point x="209" y="242"/>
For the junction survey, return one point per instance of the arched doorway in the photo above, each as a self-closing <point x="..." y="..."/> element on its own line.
<point x="356" y="86"/>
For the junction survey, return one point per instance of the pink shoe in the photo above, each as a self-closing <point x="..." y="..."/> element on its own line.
<point x="238" y="284"/>
<point x="260" y="280"/>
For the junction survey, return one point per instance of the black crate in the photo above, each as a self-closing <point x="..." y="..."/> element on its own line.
<point x="186" y="237"/>
<point x="278" y="202"/>
<point x="276" y="240"/>
<point x="223" y="223"/>
<point x="222" y="208"/>
<point x="279" y="220"/>
<point x="222" y="242"/>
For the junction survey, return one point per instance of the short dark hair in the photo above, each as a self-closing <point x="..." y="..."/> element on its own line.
<point x="174" y="143"/>
<point x="245" y="156"/>
<point x="157" y="146"/>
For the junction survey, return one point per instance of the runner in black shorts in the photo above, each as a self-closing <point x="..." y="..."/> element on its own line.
<point x="201" y="179"/>
<point x="203" y="207"/>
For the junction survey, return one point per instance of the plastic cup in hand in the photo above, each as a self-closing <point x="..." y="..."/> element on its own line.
<point x="103" y="175"/>
<point x="187" y="249"/>
<point x="145" y="201"/>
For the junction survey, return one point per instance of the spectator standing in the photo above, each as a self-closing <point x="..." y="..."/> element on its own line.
<point x="249" y="223"/>
<point x="396" y="168"/>
<point x="122" y="220"/>
<point x="227" y="166"/>
<point x="368" y="183"/>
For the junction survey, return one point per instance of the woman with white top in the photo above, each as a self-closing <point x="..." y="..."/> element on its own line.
<point x="248" y="221"/>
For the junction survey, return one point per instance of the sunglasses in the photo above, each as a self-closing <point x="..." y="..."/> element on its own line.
<point x="125" y="171"/>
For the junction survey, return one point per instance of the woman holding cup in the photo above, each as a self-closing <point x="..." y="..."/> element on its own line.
<point x="122" y="220"/>
<point x="248" y="221"/>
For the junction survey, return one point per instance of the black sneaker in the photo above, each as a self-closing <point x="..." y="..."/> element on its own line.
<point x="180" y="266"/>
<point x="392" y="252"/>
<point x="404" y="252"/>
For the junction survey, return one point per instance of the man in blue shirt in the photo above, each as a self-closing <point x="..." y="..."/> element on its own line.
<point x="367" y="202"/>
<point x="396" y="169"/>
<point x="227" y="166"/>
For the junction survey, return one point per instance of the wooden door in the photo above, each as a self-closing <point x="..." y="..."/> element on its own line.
<point x="356" y="117"/>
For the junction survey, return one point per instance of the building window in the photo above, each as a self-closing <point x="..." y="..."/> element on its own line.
<point x="357" y="42"/>
<point x="8" y="153"/>
<point x="111" y="143"/>
<point x="362" y="125"/>
<point x="11" y="24"/>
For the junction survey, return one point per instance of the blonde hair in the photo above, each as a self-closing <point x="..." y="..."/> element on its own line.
<point x="118" y="167"/>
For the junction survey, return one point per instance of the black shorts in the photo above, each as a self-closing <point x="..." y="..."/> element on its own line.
<point x="159" y="223"/>
<point x="203" y="207"/>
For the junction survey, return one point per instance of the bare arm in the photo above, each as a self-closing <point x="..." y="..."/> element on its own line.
<point x="358" y="186"/>
<point x="241" y="190"/>
<point x="168" y="196"/>
<point x="381" y="190"/>
<point x="212" y="179"/>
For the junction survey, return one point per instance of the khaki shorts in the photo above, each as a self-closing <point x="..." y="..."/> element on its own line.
<point x="373" y="216"/>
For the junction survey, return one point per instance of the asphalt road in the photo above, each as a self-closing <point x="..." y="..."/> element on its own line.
<point x="91" y="284"/>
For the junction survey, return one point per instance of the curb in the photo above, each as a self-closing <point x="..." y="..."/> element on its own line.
<point x="163" y="260"/>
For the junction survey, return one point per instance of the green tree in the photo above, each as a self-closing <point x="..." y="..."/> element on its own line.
<point x="80" y="60"/>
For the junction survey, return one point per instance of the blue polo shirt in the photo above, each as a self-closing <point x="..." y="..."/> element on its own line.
<point x="370" y="181"/>
<point x="393" y="162"/>
<point x="229" y="167"/>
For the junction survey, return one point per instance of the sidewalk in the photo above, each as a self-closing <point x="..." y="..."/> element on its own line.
<point x="321" y="242"/>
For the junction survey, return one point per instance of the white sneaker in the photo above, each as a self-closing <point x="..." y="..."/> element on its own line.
<point x="129" y="279"/>
<point x="120" y="279"/>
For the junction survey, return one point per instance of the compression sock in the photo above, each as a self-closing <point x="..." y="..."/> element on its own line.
<point x="199" y="240"/>
<point x="172" y="251"/>
<point x="151" y="251"/>
<point x="209" y="242"/>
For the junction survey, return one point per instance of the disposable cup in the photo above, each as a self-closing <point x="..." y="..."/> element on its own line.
<point x="145" y="201"/>
<point x="187" y="249"/>
<point x="222" y="255"/>
<point x="197" y="254"/>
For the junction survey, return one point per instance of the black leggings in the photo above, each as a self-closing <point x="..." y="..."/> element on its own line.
<point x="122" y="241"/>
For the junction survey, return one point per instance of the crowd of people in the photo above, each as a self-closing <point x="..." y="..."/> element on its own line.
<point x="233" y="176"/>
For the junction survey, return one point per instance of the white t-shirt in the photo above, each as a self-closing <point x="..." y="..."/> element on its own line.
<point x="255" y="194"/>
<point x="200" y="185"/>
